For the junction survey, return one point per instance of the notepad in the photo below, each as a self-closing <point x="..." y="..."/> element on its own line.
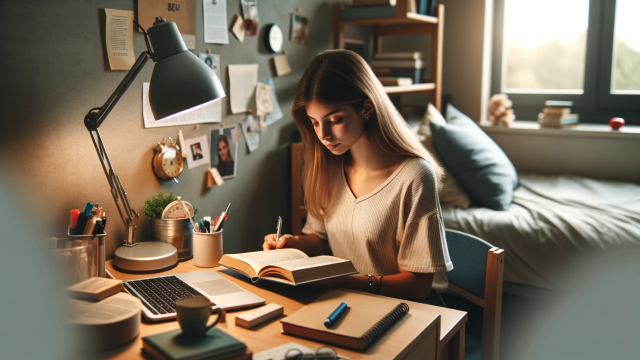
<point x="366" y="320"/>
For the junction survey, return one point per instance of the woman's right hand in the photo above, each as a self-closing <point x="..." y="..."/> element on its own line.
<point x="285" y="241"/>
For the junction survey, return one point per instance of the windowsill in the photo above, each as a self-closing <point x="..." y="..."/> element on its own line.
<point x="580" y="130"/>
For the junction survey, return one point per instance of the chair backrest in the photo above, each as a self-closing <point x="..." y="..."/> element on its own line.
<point x="477" y="275"/>
<point x="469" y="257"/>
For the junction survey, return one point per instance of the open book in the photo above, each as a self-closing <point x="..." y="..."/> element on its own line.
<point x="289" y="266"/>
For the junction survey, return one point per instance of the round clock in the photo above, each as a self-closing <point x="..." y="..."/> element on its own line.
<point x="167" y="161"/>
<point x="273" y="38"/>
<point x="178" y="210"/>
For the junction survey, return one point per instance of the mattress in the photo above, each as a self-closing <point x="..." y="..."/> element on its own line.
<point x="554" y="223"/>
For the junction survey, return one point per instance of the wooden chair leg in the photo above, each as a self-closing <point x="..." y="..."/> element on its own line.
<point x="492" y="304"/>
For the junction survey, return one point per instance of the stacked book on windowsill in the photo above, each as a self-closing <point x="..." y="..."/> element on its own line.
<point x="557" y="114"/>
<point x="374" y="9"/>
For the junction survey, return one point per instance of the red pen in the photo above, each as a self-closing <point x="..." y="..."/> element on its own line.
<point x="221" y="218"/>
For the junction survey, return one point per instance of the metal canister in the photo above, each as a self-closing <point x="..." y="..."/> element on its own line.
<point x="177" y="232"/>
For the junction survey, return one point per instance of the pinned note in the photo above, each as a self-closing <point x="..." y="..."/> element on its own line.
<point x="238" y="27"/>
<point x="281" y="64"/>
<point x="119" y="39"/>
<point x="243" y="80"/>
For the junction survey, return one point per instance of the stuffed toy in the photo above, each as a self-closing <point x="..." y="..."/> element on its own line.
<point x="500" y="111"/>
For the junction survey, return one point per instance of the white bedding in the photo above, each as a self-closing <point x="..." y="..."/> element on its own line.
<point x="553" y="222"/>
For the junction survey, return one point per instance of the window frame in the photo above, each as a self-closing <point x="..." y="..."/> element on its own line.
<point x="595" y="104"/>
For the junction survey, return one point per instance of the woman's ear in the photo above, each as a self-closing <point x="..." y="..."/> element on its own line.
<point x="367" y="109"/>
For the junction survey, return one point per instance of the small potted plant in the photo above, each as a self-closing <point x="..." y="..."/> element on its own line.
<point x="177" y="232"/>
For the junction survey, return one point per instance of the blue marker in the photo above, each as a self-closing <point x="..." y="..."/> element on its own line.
<point x="335" y="315"/>
<point x="88" y="208"/>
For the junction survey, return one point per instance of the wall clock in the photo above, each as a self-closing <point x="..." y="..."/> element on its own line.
<point x="167" y="161"/>
<point x="273" y="38"/>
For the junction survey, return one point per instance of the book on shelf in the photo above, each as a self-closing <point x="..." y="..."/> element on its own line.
<point x="214" y="345"/>
<point x="555" y="122"/>
<point x="373" y="2"/>
<point x="366" y="320"/>
<point x="288" y="266"/>
<point x="413" y="63"/>
<point x="399" y="55"/>
<point x="368" y="12"/>
<point x="395" y="81"/>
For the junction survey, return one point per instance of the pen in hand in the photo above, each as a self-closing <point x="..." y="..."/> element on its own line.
<point x="278" y="230"/>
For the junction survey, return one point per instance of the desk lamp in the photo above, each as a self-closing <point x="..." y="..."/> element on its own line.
<point x="180" y="82"/>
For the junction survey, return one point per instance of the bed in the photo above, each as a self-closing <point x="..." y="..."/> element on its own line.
<point x="553" y="223"/>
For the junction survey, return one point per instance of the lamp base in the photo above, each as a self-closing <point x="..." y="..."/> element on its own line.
<point x="146" y="257"/>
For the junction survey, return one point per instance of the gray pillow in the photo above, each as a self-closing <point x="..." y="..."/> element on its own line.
<point x="480" y="166"/>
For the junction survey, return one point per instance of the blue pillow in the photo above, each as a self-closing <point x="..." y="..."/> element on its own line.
<point x="477" y="162"/>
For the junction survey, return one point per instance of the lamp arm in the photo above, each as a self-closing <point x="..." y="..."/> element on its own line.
<point x="92" y="122"/>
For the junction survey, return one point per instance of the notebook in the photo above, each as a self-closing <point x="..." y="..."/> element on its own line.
<point x="215" y="345"/>
<point x="365" y="321"/>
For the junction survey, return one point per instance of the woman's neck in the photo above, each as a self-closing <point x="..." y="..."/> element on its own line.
<point x="364" y="156"/>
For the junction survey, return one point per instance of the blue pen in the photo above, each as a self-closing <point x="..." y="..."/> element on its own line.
<point x="335" y="315"/>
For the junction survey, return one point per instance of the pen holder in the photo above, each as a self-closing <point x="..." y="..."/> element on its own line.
<point x="176" y="232"/>
<point x="207" y="249"/>
<point x="80" y="256"/>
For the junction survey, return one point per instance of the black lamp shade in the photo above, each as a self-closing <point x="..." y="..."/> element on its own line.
<point x="180" y="81"/>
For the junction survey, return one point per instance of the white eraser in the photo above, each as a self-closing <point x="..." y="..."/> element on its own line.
<point x="258" y="316"/>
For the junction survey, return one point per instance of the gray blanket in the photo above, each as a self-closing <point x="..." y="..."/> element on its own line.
<point x="553" y="223"/>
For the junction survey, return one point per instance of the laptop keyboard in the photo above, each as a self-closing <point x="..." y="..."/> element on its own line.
<point x="159" y="294"/>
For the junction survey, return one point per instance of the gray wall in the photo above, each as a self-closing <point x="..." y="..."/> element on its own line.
<point x="54" y="69"/>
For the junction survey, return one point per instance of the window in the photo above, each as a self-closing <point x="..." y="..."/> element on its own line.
<point x="586" y="51"/>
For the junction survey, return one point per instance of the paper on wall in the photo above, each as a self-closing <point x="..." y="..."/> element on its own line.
<point x="182" y="12"/>
<point x="215" y="22"/>
<point x="276" y="113"/>
<point x="238" y="27"/>
<point x="119" y="39"/>
<point x="281" y="64"/>
<point x="197" y="150"/>
<point x="209" y="113"/>
<point x="243" y="80"/>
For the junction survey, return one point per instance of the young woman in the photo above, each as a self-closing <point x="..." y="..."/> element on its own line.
<point x="225" y="164"/>
<point x="370" y="188"/>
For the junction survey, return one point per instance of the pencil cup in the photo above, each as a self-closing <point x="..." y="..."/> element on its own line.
<point x="207" y="249"/>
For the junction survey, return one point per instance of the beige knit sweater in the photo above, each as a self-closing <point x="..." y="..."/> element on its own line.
<point x="397" y="227"/>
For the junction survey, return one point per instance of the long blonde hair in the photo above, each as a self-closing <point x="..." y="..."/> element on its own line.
<point x="341" y="77"/>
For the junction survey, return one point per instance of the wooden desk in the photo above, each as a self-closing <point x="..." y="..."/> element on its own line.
<point x="441" y="336"/>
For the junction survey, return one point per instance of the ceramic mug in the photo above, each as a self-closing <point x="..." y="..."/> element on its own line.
<point x="193" y="314"/>
<point x="207" y="249"/>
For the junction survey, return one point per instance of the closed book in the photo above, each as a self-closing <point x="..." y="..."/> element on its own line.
<point x="94" y="289"/>
<point x="562" y="119"/>
<point x="412" y="64"/>
<point x="395" y="81"/>
<point x="173" y="345"/>
<point x="556" y="112"/>
<point x="558" y="103"/>
<point x="373" y="2"/>
<point x="366" y="319"/>
<point x="399" y="55"/>
<point x="368" y="12"/>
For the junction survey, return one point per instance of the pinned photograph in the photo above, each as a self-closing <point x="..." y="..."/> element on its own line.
<point x="224" y="151"/>
<point x="251" y="132"/>
<point x="299" y="29"/>
<point x="212" y="61"/>
<point x="250" y="12"/>
<point x="276" y="113"/>
<point x="197" y="151"/>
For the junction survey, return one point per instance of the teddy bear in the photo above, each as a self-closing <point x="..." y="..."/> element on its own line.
<point x="500" y="111"/>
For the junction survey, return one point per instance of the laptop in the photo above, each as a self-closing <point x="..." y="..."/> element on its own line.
<point x="159" y="293"/>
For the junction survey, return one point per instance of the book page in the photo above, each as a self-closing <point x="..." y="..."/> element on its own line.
<point x="307" y="262"/>
<point x="110" y="310"/>
<point x="258" y="259"/>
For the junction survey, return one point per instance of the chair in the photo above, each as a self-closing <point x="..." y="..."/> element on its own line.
<point x="477" y="276"/>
